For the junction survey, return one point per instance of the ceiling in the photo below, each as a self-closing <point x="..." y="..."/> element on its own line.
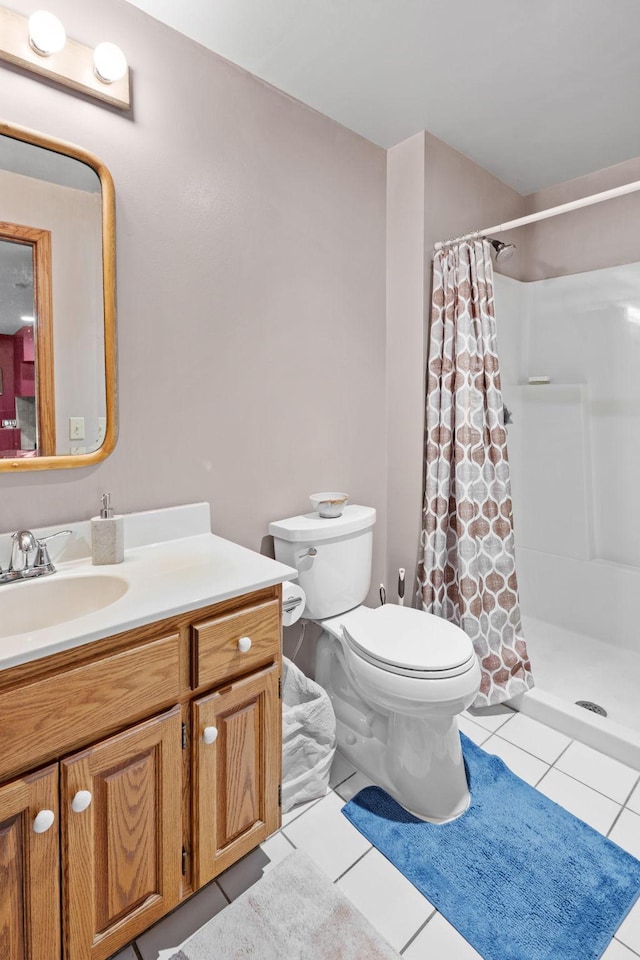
<point x="536" y="91"/>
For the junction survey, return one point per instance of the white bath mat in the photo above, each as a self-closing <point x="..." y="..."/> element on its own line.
<point x="294" y="912"/>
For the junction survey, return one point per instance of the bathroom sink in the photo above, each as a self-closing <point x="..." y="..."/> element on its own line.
<point x="36" y="604"/>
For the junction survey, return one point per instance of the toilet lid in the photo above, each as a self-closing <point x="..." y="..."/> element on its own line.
<point x="409" y="641"/>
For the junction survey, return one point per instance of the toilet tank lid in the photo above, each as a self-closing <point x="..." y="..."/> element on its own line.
<point x="311" y="527"/>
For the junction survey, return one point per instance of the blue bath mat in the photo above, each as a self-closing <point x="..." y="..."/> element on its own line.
<point x="518" y="876"/>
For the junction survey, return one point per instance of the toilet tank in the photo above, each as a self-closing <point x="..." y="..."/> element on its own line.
<point x="332" y="557"/>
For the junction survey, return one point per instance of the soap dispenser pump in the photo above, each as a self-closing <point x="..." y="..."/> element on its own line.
<point x="107" y="535"/>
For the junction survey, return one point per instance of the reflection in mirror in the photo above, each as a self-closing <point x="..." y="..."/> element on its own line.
<point x="27" y="424"/>
<point x="56" y="304"/>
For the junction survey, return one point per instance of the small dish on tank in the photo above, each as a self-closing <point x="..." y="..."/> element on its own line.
<point x="329" y="504"/>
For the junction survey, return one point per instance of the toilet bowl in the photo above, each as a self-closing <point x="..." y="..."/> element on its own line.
<point x="418" y="688"/>
<point x="397" y="677"/>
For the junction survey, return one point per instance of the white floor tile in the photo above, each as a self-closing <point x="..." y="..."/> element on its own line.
<point x="617" y="951"/>
<point x="297" y="810"/>
<point x="535" y="738"/>
<point x="609" y="776"/>
<point x="328" y="837"/>
<point x="440" y="941"/>
<point x="254" y="865"/>
<point x="126" y="954"/>
<point x="353" y="785"/>
<point x="341" y="769"/>
<point x="490" y="717"/>
<point x="629" y="931"/>
<point x="634" y="800"/>
<point x="276" y="848"/>
<point x="166" y="937"/>
<point x="523" y="764"/>
<point x="583" y="802"/>
<point x="472" y="730"/>
<point x="626" y="832"/>
<point x="386" y="898"/>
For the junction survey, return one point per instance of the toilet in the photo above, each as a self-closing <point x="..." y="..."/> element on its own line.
<point x="397" y="677"/>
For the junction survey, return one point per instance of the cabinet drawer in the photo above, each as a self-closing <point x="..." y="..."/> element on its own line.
<point x="44" y="719"/>
<point x="217" y="654"/>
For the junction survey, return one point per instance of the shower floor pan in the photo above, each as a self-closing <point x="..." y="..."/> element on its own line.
<point x="571" y="666"/>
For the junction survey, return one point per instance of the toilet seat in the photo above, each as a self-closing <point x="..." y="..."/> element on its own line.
<point x="411" y="643"/>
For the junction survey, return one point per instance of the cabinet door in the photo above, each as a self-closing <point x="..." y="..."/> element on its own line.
<point x="30" y="868"/>
<point x="236" y="771"/>
<point x="121" y="836"/>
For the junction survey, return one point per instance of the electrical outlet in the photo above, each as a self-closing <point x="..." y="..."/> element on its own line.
<point x="74" y="451"/>
<point x="102" y="430"/>
<point x="76" y="428"/>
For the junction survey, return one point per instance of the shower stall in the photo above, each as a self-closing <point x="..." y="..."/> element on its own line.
<point x="569" y="351"/>
<point x="570" y="362"/>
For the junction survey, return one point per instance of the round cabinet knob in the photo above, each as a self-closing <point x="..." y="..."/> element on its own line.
<point x="209" y="734"/>
<point x="81" y="801"/>
<point x="43" y="820"/>
<point x="244" y="644"/>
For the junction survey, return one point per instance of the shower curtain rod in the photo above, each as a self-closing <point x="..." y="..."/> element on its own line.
<point x="545" y="214"/>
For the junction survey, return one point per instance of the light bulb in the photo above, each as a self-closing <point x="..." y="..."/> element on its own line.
<point x="109" y="62"/>
<point x="46" y="33"/>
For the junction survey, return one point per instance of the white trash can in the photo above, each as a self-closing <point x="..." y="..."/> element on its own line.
<point x="308" y="737"/>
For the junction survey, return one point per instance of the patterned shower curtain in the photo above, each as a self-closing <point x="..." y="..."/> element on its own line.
<point x="466" y="571"/>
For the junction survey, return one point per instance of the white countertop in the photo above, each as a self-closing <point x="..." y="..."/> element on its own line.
<point x="163" y="579"/>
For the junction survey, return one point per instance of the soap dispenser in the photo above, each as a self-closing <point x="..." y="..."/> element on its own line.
<point x="107" y="535"/>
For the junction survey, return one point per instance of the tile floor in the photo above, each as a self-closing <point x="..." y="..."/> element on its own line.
<point x="599" y="790"/>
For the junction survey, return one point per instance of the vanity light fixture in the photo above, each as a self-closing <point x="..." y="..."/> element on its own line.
<point x="109" y="62"/>
<point x="39" y="44"/>
<point x="46" y="33"/>
<point x="28" y="319"/>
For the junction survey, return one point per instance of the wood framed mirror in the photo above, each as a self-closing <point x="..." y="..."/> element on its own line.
<point x="57" y="304"/>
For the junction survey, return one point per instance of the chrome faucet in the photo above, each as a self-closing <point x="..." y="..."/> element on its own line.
<point x="29" y="556"/>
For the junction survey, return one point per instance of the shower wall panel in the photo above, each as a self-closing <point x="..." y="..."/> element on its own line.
<point x="574" y="445"/>
<point x="551" y="467"/>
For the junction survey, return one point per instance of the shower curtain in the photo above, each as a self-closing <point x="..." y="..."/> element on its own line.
<point x="466" y="570"/>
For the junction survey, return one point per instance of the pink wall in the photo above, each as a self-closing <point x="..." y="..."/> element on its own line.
<point x="251" y="230"/>
<point x="433" y="193"/>
<point x="406" y="294"/>
<point x="251" y="289"/>
<point x="7" y="362"/>
<point x="461" y="196"/>
<point x="603" y="235"/>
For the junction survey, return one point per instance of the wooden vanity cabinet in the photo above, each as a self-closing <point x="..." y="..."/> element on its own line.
<point x="29" y="868"/>
<point x="158" y="792"/>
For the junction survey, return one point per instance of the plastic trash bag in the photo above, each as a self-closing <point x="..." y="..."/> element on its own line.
<point x="308" y="737"/>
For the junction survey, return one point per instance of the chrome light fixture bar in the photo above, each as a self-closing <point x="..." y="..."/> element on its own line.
<point x="39" y="44"/>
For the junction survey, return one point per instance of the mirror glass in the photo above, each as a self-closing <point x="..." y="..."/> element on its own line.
<point x="56" y="304"/>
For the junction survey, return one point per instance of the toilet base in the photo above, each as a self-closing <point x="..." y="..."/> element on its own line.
<point x="417" y="760"/>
